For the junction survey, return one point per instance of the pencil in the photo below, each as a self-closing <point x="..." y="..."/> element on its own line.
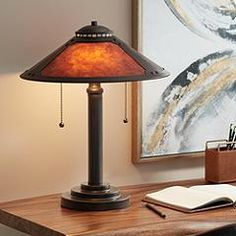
<point x="154" y="209"/>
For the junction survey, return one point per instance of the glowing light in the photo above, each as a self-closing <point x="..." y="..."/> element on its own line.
<point x="100" y="59"/>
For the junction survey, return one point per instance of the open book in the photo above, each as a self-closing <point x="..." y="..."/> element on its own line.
<point x="195" y="198"/>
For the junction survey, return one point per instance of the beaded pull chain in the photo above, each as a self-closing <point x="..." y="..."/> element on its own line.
<point x="125" y="120"/>
<point x="61" y="124"/>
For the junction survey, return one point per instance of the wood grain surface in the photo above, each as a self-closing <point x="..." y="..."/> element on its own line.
<point x="43" y="216"/>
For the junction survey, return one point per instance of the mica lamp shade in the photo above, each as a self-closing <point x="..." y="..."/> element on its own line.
<point x="94" y="55"/>
<point x="102" y="59"/>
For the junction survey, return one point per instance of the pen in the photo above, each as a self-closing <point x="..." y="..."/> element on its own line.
<point x="234" y="139"/>
<point x="233" y="136"/>
<point x="230" y="134"/>
<point x="230" y="131"/>
<point x="154" y="209"/>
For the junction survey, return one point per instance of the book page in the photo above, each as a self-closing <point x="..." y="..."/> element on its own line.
<point x="183" y="197"/>
<point x="222" y="190"/>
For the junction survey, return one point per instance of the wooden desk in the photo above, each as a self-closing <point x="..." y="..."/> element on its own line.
<point x="43" y="216"/>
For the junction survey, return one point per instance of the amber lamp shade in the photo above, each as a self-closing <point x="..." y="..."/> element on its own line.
<point x="102" y="59"/>
<point x="94" y="55"/>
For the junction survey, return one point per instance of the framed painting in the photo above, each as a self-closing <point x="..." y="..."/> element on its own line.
<point x="195" y="41"/>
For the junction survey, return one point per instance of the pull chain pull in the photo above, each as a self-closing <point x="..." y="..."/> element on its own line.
<point x="61" y="124"/>
<point x="125" y="120"/>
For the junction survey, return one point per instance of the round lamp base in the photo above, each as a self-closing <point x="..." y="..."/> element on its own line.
<point x="94" y="198"/>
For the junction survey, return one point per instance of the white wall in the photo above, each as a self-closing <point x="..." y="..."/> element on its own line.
<point x="36" y="157"/>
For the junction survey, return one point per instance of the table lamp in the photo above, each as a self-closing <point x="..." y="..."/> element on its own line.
<point x="94" y="55"/>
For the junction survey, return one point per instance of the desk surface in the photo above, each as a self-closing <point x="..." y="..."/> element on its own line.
<point x="43" y="216"/>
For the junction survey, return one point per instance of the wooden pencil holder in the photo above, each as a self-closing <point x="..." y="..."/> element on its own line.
<point x="220" y="162"/>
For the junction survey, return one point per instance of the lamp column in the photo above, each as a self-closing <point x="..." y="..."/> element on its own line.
<point x="95" y="162"/>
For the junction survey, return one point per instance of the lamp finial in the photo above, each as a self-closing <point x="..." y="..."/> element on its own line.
<point x="94" y="23"/>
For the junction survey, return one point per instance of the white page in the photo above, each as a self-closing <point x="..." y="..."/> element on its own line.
<point x="183" y="197"/>
<point x="223" y="190"/>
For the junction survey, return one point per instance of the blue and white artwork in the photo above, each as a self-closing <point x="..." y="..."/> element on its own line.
<point x="195" y="41"/>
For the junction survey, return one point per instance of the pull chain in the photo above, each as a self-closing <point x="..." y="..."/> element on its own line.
<point x="61" y="124"/>
<point x="125" y="120"/>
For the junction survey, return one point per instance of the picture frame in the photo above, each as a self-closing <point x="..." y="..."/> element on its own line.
<point x="136" y="89"/>
<point x="137" y="109"/>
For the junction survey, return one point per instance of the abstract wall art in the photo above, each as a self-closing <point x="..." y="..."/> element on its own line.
<point x="196" y="42"/>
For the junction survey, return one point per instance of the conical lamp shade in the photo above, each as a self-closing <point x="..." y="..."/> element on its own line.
<point x="94" y="55"/>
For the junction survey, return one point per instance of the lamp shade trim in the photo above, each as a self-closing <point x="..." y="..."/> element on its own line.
<point x="94" y="31"/>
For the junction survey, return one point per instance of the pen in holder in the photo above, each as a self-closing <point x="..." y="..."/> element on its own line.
<point x="220" y="161"/>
